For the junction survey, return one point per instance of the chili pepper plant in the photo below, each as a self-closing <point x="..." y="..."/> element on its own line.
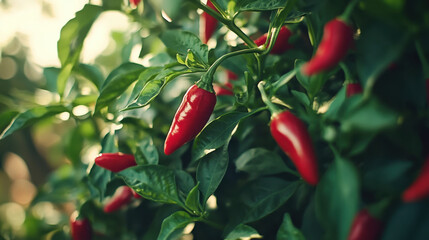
<point x="326" y="117"/>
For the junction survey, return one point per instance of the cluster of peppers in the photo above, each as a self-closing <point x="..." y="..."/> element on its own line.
<point x="288" y="131"/>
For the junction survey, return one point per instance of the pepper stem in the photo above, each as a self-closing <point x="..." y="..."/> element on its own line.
<point x="348" y="11"/>
<point x="208" y="76"/>
<point x="346" y="72"/>
<point x="271" y="106"/>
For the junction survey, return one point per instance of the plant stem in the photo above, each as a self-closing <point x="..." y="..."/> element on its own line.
<point x="208" y="76"/>
<point x="227" y="21"/>
<point x="271" y="106"/>
<point x="211" y="223"/>
<point x="423" y="59"/>
<point x="311" y="33"/>
<point x="346" y="72"/>
<point x="349" y="10"/>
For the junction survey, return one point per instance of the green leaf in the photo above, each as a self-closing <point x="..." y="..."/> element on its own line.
<point x="185" y="182"/>
<point x="260" y="5"/>
<point x="408" y="221"/>
<point x="312" y="84"/>
<point x="288" y="231"/>
<point x="173" y="223"/>
<point x="99" y="178"/>
<point x="337" y="198"/>
<point x="71" y="41"/>
<point x="193" y="199"/>
<point x="181" y="41"/>
<point x="146" y="152"/>
<point x="117" y="82"/>
<point x="369" y="115"/>
<point x="6" y="118"/>
<point x="30" y="117"/>
<point x="153" y="182"/>
<point x="210" y="171"/>
<point x="260" y="162"/>
<point x="264" y="196"/>
<point x="373" y="59"/>
<point x="151" y="89"/>
<point x="51" y="76"/>
<point x="90" y="72"/>
<point x="217" y="133"/>
<point x="243" y="231"/>
<point x="146" y="75"/>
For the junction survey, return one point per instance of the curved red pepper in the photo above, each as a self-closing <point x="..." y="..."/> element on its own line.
<point x="231" y="75"/>
<point x="191" y="116"/>
<point x="115" y="162"/>
<point x="135" y="2"/>
<point x="353" y="88"/>
<point x="365" y="227"/>
<point x="336" y="41"/>
<point x="208" y="24"/>
<point x="80" y="228"/>
<point x="122" y="197"/>
<point x="291" y="135"/>
<point x="281" y="44"/>
<point x="419" y="189"/>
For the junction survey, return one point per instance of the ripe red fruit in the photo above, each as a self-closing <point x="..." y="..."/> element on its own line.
<point x="208" y="24"/>
<point x="80" y="228"/>
<point x="365" y="227"/>
<point x="291" y="135"/>
<point x="419" y="189"/>
<point x="191" y="116"/>
<point x="337" y="40"/>
<point x="135" y="2"/>
<point x="353" y="88"/>
<point x="282" y="41"/>
<point x="115" y="162"/>
<point x="122" y="197"/>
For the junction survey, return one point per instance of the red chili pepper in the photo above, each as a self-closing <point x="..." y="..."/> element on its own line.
<point x="291" y="135"/>
<point x="208" y="24"/>
<point x="353" y="88"/>
<point x="231" y="75"/>
<point x="115" y="162"/>
<point x="336" y="41"/>
<point x="419" y="189"/>
<point x="80" y="228"/>
<point x="135" y="2"/>
<point x="365" y="227"/>
<point x="281" y="44"/>
<point x="135" y="194"/>
<point x="191" y="116"/>
<point x="225" y="90"/>
<point x="122" y="197"/>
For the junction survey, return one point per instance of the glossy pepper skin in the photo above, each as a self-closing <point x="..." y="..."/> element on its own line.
<point x="80" y="228"/>
<point x="191" y="116"/>
<point x="122" y="197"/>
<point x="208" y="24"/>
<point x="337" y="40"/>
<point x="281" y="44"/>
<point x="115" y="162"/>
<point x="291" y="135"/>
<point x="419" y="189"/>
<point x="353" y="88"/>
<point x="365" y="227"/>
